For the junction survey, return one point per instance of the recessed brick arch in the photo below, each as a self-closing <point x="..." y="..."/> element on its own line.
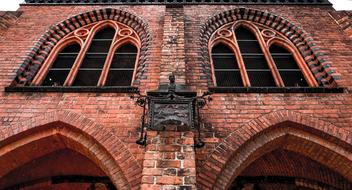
<point x="79" y="134"/>
<point x="314" y="56"/>
<point x="281" y="129"/>
<point x="55" y="33"/>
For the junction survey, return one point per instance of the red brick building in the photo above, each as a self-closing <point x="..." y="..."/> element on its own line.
<point x="261" y="98"/>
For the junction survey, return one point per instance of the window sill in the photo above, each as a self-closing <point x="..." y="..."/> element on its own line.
<point x="112" y="89"/>
<point x="275" y="90"/>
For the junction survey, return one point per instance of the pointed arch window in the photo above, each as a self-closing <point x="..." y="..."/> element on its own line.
<point x="122" y="66"/>
<point x="287" y="67"/>
<point x="259" y="57"/>
<point x="256" y="66"/>
<point x="62" y="65"/>
<point x="101" y="54"/>
<point x="226" y="69"/>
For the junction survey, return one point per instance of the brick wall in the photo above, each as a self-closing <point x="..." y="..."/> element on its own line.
<point x="344" y="20"/>
<point x="7" y="18"/>
<point x="117" y="113"/>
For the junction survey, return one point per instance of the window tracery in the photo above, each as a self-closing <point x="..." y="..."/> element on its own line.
<point x="100" y="54"/>
<point x="262" y="57"/>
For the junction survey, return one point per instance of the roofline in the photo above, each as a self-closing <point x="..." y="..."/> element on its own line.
<point x="176" y="2"/>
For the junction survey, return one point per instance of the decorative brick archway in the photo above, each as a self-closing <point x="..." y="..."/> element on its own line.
<point x="55" y="33"/>
<point x="308" y="136"/>
<point x="79" y="134"/>
<point x="314" y="56"/>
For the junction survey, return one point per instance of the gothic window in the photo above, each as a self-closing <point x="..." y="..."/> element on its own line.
<point x="287" y="67"/>
<point x="252" y="55"/>
<point x="101" y="54"/>
<point x="254" y="60"/>
<point x="122" y="66"/>
<point x="226" y="69"/>
<point x="62" y="65"/>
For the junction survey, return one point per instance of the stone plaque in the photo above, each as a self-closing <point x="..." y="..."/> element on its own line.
<point x="164" y="113"/>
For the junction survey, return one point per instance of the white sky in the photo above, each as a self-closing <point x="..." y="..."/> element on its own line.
<point x="13" y="4"/>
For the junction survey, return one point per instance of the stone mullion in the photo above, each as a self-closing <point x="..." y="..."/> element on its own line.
<point x="241" y="65"/>
<point x="269" y="59"/>
<point x="108" y="60"/>
<point x="80" y="57"/>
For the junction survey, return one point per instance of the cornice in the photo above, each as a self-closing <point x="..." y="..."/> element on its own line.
<point x="182" y="2"/>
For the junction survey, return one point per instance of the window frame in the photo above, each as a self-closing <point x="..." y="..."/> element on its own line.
<point x="84" y="36"/>
<point x="265" y="37"/>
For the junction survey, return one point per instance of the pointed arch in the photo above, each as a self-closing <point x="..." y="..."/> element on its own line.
<point x="254" y="31"/>
<point x="264" y="134"/>
<point x="116" y="48"/>
<point x="236" y="66"/>
<point x="298" y="59"/>
<point x="81" y="135"/>
<point x="47" y="42"/>
<point x="308" y="49"/>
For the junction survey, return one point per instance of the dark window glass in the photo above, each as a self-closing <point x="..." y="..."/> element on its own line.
<point x="287" y="66"/>
<point x="254" y="60"/>
<point x="260" y="78"/>
<point x="225" y="67"/>
<point x="87" y="77"/>
<point x="228" y="78"/>
<point x="93" y="63"/>
<point x="122" y="66"/>
<point x="61" y="67"/>
<point x="119" y="78"/>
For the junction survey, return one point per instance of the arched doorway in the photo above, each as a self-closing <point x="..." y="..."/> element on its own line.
<point x="282" y="150"/>
<point x="283" y="169"/>
<point x="284" y="157"/>
<point x="50" y="163"/>
<point x="58" y="155"/>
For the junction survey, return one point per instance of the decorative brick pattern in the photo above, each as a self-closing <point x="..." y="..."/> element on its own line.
<point x="266" y="133"/>
<point x="310" y="51"/>
<point x="90" y="138"/>
<point x="52" y="36"/>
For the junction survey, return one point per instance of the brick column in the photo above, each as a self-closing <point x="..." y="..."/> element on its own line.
<point x="173" y="48"/>
<point x="169" y="162"/>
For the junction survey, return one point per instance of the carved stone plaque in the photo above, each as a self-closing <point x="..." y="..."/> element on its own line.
<point x="166" y="113"/>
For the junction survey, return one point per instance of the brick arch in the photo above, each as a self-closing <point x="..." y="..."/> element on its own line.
<point x="82" y="135"/>
<point x="314" y="57"/>
<point x="55" y="33"/>
<point x="262" y="135"/>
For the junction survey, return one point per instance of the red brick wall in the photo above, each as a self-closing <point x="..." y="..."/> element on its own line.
<point x="118" y="114"/>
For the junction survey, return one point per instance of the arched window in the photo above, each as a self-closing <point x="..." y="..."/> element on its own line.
<point x="256" y="66"/>
<point x="122" y="66"/>
<point x="96" y="61"/>
<point x="92" y="66"/>
<point x="226" y="68"/>
<point x="254" y="60"/>
<point x="287" y="67"/>
<point x="62" y="65"/>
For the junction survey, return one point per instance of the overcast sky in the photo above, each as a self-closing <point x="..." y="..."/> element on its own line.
<point x="13" y="4"/>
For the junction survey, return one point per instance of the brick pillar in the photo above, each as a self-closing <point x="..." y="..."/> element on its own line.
<point x="173" y="47"/>
<point x="169" y="162"/>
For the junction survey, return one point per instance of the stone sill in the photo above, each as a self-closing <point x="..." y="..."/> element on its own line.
<point x="275" y="90"/>
<point x="112" y="89"/>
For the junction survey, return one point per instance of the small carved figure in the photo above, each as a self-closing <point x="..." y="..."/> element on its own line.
<point x="172" y="85"/>
<point x="172" y="78"/>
